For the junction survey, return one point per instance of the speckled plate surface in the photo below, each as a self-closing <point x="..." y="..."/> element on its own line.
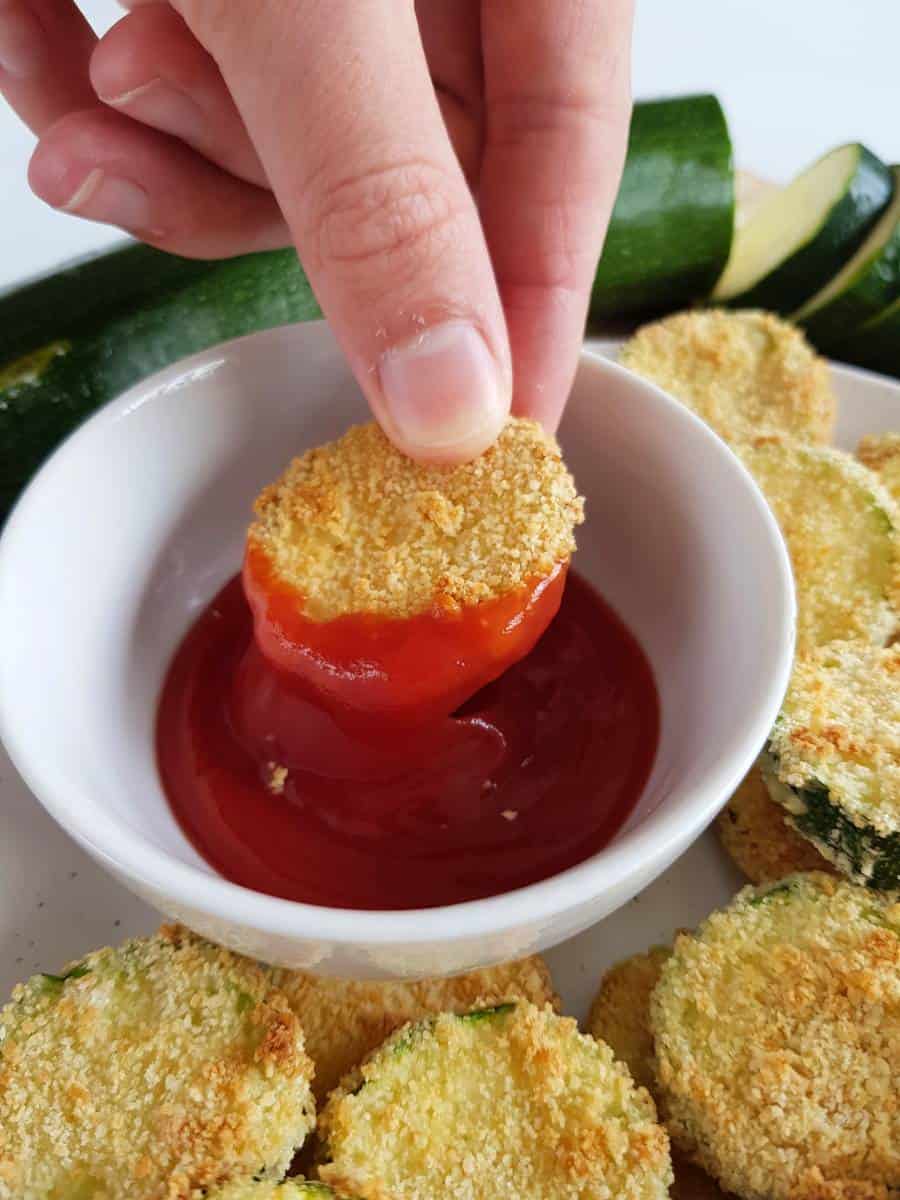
<point x="55" y="904"/>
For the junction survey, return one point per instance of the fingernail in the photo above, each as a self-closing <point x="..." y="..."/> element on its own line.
<point x="114" y="201"/>
<point x="23" y="47"/>
<point x="443" y="394"/>
<point x="163" y="106"/>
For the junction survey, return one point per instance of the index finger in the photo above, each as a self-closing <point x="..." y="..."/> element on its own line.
<point x="45" y="50"/>
<point x="558" y="100"/>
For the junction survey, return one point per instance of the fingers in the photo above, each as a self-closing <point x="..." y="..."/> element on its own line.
<point x="105" y="167"/>
<point x="45" y="48"/>
<point x="338" y="101"/>
<point x="557" y="94"/>
<point x="151" y="67"/>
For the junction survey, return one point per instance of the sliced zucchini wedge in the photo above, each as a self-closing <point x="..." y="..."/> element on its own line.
<point x="833" y="758"/>
<point x="881" y="454"/>
<point x="843" y="534"/>
<point x="801" y="237"/>
<point x="868" y="282"/>
<point x="505" y="1103"/>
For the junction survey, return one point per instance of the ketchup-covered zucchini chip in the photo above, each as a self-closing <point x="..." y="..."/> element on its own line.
<point x="396" y="588"/>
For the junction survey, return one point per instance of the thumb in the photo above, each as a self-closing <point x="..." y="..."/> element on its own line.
<point x="344" y="117"/>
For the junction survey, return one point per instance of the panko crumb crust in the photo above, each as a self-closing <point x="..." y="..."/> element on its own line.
<point x="839" y="728"/>
<point x="288" y="1189"/>
<point x="344" y="1020"/>
<point x="746" y="374"/>
<point x="881" y="454"/>
<point x="149" y="1072"/>
<point x="500" y="1105"/>
<point x="842" y="531"/>
<point x="357" y="527"/>
<point x="776" y="1034"/>
<point x="756" y="836"/>
<point x="620" y="1014"/>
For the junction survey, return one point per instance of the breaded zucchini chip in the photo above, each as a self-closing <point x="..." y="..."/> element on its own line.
<point x="289" y="1189"/>
<point x="343" y="1020"/>
<point x="620" y="1014"/>
<point x="501" y="1104"/>
<point x="776" y="1033"/>
<point x="746" y="374"/>
<point x="843" y="533"/>
<point x="148" y="1072"/>
<point x="758" y="838"/>
<point x="881" y="454"/>
<point x="357" y="527"/>
<point x="834" y="758"/>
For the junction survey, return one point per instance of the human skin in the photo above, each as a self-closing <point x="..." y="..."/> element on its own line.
<point x="445" y="169"/>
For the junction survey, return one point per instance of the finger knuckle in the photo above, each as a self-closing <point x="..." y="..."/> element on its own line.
<point x="390" y="216"/>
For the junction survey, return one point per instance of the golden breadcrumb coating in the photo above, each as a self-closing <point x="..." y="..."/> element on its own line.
<point x="881" y="454"/>
<point x="289" y="1189"/>
<point x="499" y="1105"/>
<point x="839" y="728"/>
<point x="356" y="527"/>
<point x="757" y="837"/>
<point x="777" y="1034"/>
<point x="343" y="1020"/>
<point x="843" y="533"/>
<point x="746" y="374"/>
<point x="148" y="1072"/>
<point x="620" y="1014"/>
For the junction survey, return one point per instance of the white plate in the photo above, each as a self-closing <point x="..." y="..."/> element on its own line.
<point x="55" y="904"/>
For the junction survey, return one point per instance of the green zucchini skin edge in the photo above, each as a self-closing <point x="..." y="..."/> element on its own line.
<point x="79" y="294"/>
<point x="875" y="345"/>
<point x="673" y="221"/>
<point x="809" y="268"/>
<point x="867" y="856"/>
<point x="234" y="297"/>
<point x="875" y="287"/>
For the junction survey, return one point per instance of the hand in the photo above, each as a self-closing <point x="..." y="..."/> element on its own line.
<point x="445" y="170"/>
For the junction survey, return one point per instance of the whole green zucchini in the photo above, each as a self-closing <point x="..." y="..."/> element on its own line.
<point x="673" y="221"/>
<point x="49" y="391"/>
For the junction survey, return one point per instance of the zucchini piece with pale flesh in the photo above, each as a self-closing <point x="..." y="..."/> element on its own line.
<point x="833" y="760"/>
<point x="673" y="220"/>
<point x="863" y="287"/>
<point x="842" y="530"/>
<point x="802" y="236"/>
<point x="881" y="453"/>
<point x="501" y="1104"/>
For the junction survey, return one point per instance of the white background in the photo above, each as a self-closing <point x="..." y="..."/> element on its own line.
<point x="796" y="77"/>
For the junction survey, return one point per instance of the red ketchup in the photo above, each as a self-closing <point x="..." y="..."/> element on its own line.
<point x="339" y="764"/>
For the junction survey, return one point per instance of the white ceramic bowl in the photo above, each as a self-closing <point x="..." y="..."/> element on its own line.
<point x="135" y="522"/>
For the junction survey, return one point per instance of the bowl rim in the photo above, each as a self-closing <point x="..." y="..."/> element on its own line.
<point x="658" y="838"/>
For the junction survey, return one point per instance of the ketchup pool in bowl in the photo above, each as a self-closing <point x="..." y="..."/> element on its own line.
<point x="131" y="530"/>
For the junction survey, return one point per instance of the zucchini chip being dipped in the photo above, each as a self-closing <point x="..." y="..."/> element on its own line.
<point x="499" y="1104"/>
<point x="776" y="1036"/>
<point x="757" y="835"/>
<point x="344" y="1020"/>
<point x="157" y="1069"/>
<point x="833" y="759"/>
<point x="843" y="534"/>
<point x="362" y="564"/>
<point x="746" y="374"/>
